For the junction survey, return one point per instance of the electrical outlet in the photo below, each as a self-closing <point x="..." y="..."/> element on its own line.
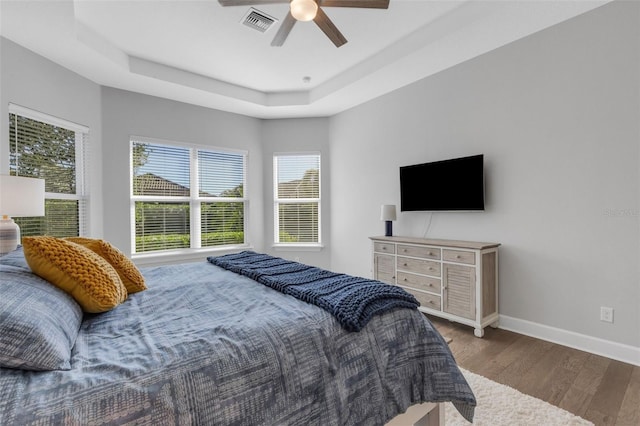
<point x="606" y="314"/>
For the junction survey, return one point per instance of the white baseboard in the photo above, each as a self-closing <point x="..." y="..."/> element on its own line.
<point x="594" y="345"/>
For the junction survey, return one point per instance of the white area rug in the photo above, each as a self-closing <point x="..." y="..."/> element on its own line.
<point x="500" y="405"/>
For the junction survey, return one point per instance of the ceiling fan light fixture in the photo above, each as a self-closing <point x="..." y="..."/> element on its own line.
<point x="303" y="10"/>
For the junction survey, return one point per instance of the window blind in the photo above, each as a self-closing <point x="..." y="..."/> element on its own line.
<point x="46" y="147"/>
<point x="162" y="226"/>
<point x="297" y="198"/>
<point x="221" y="175"/>
<point x="186" y="196"/>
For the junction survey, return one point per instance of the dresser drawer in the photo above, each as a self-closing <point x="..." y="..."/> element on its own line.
<point x="384" y="248"/>
<point x="459" y="256"/>
<point x="419" y="266"/>
<point x="419" y="282"/>
<point x="415" y="251"/>
<point x="427" y="300"/>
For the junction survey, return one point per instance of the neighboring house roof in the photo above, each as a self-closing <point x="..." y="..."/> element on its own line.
<point x="152" y="184"/>
<point x="288" y="189"/>
<point x="307" y="187"/>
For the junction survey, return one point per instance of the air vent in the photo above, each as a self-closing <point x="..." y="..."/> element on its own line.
<point x="258" y="20"/>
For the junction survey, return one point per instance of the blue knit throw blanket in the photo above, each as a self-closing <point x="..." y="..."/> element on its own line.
<point x="351" y="300"/>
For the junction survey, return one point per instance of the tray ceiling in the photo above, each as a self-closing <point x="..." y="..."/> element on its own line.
<point x="200" y="53"/>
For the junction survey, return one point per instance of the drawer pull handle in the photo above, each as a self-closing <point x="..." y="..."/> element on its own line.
<point x="430" y="268"/>
<point x="458" y="256"/>
<point x="404" y="279"/>
<point x="404" y="264"/>
<point x="404" y="250"/>
<point x="429" y="254"/>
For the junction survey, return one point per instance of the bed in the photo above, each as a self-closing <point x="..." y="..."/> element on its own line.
<point x="208" y="346"/>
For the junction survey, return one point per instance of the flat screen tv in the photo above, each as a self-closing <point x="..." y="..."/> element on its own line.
<point x="448" y="185"/>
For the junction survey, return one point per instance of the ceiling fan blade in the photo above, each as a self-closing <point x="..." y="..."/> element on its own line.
<point x="250" y="2"/>
<point x="367" y="4"/>
<point x="327" y="27"/>
<point x="284" y="30"/>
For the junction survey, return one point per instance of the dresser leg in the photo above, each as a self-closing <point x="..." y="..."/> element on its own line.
<point x="478" y="332"/>
<point x="495" y="324"/>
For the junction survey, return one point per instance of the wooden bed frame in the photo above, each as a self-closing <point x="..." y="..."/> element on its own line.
<point x="425" y="414"/>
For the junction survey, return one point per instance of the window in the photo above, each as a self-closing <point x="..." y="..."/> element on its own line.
<point x="297" y="199"/>
<point x="45" y="147"/>
<point x="186" y="197"/>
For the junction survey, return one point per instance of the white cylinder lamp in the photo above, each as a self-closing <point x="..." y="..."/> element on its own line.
<point x="303" y="10"/>
<point x="388" y="214"/>
<point x="19" y="197"/>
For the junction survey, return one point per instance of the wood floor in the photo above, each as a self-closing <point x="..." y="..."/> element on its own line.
<point x="601" y="390"/>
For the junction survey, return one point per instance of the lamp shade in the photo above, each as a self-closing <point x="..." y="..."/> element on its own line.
<point x="388" y="212"/>
<point x="303" y="10"/>
<point x="21" y="196"/>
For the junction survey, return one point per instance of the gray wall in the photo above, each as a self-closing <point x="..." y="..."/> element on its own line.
<point x="31" y="81"/>
<point x="298" y="135"/>
<point x="126" y="114"/>
<point x="556" y="115"/>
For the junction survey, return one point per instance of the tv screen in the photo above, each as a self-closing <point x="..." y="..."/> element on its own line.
<point x="449" y="185"/>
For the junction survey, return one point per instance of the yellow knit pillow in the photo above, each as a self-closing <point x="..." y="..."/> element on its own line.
<point x="129" y="274"/>
<point x="87" y="277"/>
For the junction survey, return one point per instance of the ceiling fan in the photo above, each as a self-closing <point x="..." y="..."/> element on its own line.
<point x="307" y="10"/>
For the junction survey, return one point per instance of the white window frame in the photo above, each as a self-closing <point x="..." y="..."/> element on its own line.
<point x="194" y="201"/>
<point x="81" y="151"/>
<point x="277" y="201"/>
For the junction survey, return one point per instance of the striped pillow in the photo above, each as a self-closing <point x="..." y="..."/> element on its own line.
<point x="39" y="323"/>
<point x="15" y="258"/>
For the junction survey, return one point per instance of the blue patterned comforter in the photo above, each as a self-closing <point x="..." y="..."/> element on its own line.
<point x="205" y="346"/>
<point x="353" y="301"/>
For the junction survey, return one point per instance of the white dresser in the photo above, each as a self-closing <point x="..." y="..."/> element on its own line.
<point x="457" y="280"/>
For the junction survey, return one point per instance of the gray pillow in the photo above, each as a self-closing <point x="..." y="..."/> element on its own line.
<point x="15" y="258"/>
<point x="39" y="323"/>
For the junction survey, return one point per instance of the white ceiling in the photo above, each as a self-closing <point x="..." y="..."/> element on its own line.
<point x="198" y="52"/>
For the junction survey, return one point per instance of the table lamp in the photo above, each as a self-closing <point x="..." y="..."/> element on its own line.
<point x="388" y="214"/>
<point x="19" y="197"/>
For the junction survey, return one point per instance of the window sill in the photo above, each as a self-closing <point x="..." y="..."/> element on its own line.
<point x="298" y="247"/>
<point x="184" y="255"/>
